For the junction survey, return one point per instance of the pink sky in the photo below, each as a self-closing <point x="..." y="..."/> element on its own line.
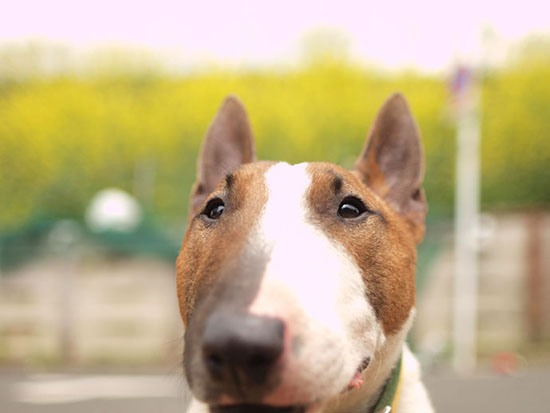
<point x="425" y="34"/>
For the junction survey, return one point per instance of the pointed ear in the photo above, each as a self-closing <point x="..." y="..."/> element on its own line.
<point x="228" y="144"/>
<point x="392" y="162"/>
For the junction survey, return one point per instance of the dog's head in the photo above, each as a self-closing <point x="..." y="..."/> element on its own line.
<point x="291" y="278"/>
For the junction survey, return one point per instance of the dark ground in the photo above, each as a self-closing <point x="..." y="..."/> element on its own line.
<point x="527" y="392"/>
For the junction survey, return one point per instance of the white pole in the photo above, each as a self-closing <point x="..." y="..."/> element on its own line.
<point x="466" y="224"/>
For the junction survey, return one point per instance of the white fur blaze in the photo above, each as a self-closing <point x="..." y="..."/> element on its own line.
<point x="314" y="286"/>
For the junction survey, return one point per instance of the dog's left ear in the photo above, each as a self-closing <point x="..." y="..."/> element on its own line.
<point x="228" y="144"/>
<point x="392" y="162"/>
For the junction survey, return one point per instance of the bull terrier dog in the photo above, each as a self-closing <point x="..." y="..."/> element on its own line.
<point x="296" y="283"/>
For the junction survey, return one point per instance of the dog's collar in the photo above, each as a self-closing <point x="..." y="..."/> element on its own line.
<point x="390" y="396"/>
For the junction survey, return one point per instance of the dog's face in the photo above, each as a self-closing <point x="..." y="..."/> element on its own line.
<point x="292" y="278"/>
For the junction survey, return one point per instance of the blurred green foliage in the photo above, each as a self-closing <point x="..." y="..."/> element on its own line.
<point x="516" y="135"/>
<point x="64" y="137"/>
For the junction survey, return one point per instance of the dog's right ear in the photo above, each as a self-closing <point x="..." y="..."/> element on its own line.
<point x="392" y="162"/>
<point x="228" y="144"/>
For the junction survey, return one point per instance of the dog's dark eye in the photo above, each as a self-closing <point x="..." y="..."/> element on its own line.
<point x="351" y="207"/>
<point x="214" y="208"/>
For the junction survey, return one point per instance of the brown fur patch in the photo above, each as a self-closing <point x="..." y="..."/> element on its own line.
<point x="210" y="245"/>
<point x="381" y="242"/>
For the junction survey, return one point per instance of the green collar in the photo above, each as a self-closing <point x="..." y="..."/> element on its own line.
<point x="390" y="395"/>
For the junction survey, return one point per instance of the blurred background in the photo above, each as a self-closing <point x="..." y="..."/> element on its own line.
<point x="103" y="106"/>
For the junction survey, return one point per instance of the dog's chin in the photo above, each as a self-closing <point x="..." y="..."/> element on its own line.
<point x="256" y="408"/>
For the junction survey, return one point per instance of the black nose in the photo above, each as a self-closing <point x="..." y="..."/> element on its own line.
<point x="241" y="347"/>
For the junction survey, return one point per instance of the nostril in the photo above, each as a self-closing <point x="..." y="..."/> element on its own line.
<point x="215" y="364"/>
<point x="215" y="360"/>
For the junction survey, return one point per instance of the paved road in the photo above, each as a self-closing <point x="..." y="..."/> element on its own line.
<point x="525" y="393"/>
<point x="88" y="392"/>
<point x="145" y="393"/>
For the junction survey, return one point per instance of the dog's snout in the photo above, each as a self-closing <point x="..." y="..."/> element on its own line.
<point x="241" y="347"/>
